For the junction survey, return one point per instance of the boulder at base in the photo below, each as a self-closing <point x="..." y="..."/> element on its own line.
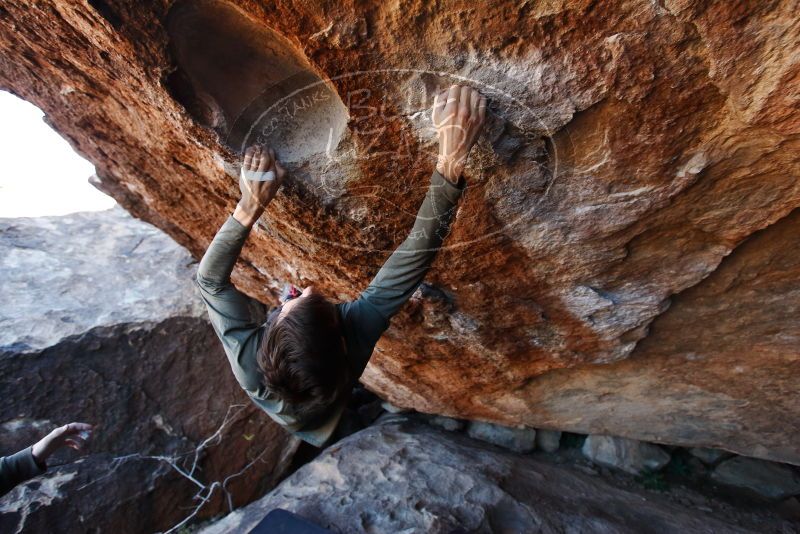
<point x="404" y="476"/>
<point x="101" y="323"/>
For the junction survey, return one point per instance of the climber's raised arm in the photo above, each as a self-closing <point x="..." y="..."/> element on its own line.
<point x="300" y="364"/>
<point x="230" y="311"/>
<point x="458" y="115"/>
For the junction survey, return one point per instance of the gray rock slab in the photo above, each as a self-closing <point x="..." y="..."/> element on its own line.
<point x="406" y="476"/>
<point x="101" y="323"/>
<point x="65" y="275"/>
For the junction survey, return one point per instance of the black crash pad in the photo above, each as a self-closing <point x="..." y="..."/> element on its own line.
<point x="284" y="522"/>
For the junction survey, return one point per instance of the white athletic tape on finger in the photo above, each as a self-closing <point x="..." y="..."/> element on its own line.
<point x="258" y="176"/>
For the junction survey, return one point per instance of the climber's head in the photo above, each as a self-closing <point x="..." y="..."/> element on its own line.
<point x="302" y="354"/>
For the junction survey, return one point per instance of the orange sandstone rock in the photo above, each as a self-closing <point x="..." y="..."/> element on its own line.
<point x="633" y="146"/>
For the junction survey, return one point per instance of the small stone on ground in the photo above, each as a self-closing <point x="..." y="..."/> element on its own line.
<point x="548" y="440"/>
<point x="520" y="440"/>
<point x="709" y="456"/>
<point x="767" y="479"/>
<point x="629" y="455"/>
<point x="447" y="423"/>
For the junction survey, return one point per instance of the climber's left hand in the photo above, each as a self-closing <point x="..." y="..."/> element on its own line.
<point x="262" y="176"/>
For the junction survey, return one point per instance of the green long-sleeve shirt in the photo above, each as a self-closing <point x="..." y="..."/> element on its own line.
<point x="237" y="319"/>
<point x="18" y="468"/>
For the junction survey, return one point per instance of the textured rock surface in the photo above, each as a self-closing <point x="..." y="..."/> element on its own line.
<point x="634" y="145"/>
<point x="147" y="368"/>
<point x="629" y="455"/>
<point x="406" y="477"/>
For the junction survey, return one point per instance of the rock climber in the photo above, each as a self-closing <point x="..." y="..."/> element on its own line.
<point x="32" y="461"/>
<point x="302" y="362"/>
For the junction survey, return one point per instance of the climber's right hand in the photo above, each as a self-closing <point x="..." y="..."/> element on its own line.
<point x="260" y="179"/>
<point x="458" y="115"/>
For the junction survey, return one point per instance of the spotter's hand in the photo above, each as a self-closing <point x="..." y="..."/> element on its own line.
<point x="73" y="435"/>
<point x="260" y="180"/>
<point x="458" y="115"/>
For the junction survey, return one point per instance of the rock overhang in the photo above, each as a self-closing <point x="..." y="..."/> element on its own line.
<point x="670" y="154"/>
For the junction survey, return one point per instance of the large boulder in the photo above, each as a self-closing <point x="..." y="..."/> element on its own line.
<point x="101" y="323"/>
<point x="402" y="476"/>
<point x="631" y="148"/>
<point x="63" y="276"/>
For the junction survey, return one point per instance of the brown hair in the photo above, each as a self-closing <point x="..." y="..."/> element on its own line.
<point x="302" y="357"/>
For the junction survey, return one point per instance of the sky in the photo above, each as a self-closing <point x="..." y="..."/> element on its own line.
<point x="40" y="174"/>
